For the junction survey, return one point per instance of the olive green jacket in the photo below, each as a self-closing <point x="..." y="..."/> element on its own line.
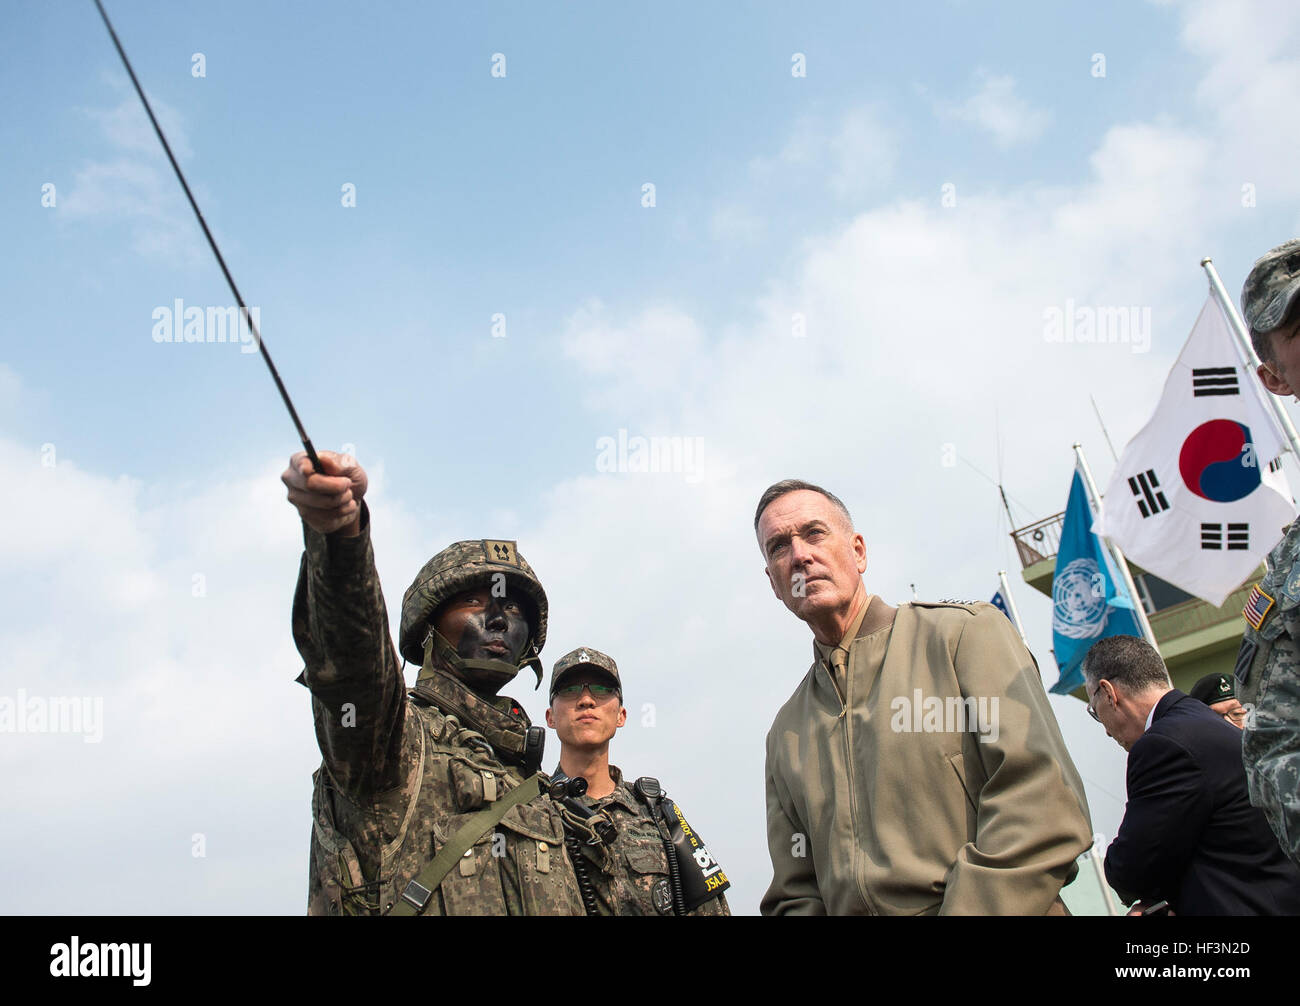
<point x="941" y="785"/>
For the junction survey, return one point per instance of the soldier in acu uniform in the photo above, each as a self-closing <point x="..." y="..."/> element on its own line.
<point x="426" y="802"/>
<point x="656" y="864"/>
<point x="1268" y="665"/>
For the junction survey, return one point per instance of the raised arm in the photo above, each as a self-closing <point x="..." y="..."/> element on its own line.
<point x="340" y="625"/>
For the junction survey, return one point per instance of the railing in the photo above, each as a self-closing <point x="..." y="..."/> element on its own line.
<point x="1040" y="540"/>
<point x="1180" y="619"/>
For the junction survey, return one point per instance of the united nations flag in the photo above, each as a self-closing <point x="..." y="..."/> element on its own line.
<point x="1088" y="600"/>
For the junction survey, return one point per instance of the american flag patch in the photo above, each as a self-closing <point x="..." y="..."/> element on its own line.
<point x="1257" y="606"/>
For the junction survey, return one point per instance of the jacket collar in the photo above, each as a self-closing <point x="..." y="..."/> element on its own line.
<point x="1167" y="702"/>
<point x="622" y="794"/>
<point x="851" y="632"/>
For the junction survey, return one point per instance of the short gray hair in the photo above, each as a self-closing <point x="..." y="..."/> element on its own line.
<point x="1125" y="660"/>
<point x="1263" y="343"/>
<point x="778" y="489"/>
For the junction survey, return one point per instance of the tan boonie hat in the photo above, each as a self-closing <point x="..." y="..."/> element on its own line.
<point x="585" y="656"/>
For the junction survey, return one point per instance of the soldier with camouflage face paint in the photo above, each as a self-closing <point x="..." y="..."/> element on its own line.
<point x="1268" y="665"/>
<point x="425" y="802"/>
<point x="638" y="878"/>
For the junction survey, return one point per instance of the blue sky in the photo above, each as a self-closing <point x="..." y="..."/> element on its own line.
<point x="522" y="195"/>
<point x="479" y="195"/>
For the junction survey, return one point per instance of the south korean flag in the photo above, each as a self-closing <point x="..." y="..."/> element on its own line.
<point x="1198" y="497"/>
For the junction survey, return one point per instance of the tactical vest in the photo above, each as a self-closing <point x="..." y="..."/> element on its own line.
<point x="448" y="773"/>
<point x="640" y="878"/>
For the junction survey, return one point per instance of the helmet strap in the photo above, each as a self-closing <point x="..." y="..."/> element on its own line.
<point x="504" y="725"/>
<point x="493" y="675"/>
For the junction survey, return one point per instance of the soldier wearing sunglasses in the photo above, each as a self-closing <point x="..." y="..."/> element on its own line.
<point x="656" y="864"/>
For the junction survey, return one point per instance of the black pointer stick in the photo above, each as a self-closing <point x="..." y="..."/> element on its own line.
<point x="243" y="309"/>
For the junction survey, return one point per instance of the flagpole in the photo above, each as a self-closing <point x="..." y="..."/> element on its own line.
<point x="1011" y="606"/>
<point x="1116" y="552"/>
<point x="1243" y="343"/>
<point x="1094" y="856"/>
<point x="1104" y="432"/>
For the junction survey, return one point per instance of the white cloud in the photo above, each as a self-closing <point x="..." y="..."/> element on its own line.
<point x="863" y="153"/>
<point x="170" y="605"/>
<point x="1248" y="89"/>
<point x="136" y="186"/>
<point x="127" y="127"/>
<point x="735" y="223"/>
<point x="997" y="109"/>
<point x="854" y="153"/>
<point x="645" y="351"/>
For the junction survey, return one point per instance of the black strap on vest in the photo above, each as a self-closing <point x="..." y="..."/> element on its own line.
<point x="694" y="874"/>
<point x="652" y="795"/>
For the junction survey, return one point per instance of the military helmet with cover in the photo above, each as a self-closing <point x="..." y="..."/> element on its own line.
<point x="462" y="566"/>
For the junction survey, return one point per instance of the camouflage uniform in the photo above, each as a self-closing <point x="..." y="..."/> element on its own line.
<point x="1268" y="665"/>
<point x="401" y="775"/>
<point x="634" y="880"/>
<point x="1268" y="685"/>
<point x="638" y="881"/>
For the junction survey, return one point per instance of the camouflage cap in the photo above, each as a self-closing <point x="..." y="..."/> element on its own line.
<point x="1213" y="688"/>
<point x="460" y="567"/>
<point x="1270" y="290"/>
<point x="584" y="656"/>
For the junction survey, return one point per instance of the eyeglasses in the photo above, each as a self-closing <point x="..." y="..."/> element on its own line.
<point x="1092" y="711"/>
<point x="598" y="692"/>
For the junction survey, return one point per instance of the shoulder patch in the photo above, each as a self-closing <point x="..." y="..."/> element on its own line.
<point x="947" y="602"/>
<point x="1291" y="589"/>
<point x="1245" y="658"/>
<point x="1257" y="607"/>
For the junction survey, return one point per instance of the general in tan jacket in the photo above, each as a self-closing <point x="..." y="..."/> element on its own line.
<point x="925" y="776"/>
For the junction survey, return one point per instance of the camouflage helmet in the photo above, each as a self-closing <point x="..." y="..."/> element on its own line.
<point x="460" y="567"/>
<point x="1271" y="288"/>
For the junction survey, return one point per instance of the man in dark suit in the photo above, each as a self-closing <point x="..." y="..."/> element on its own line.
<point x="1189" y="835"/>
